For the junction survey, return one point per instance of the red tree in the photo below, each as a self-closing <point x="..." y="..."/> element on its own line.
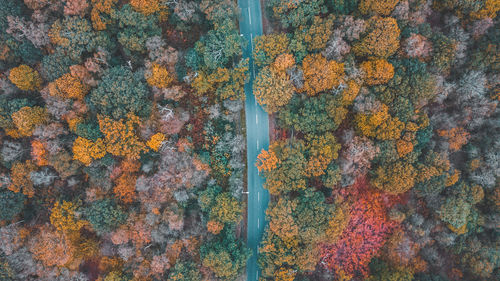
<point x="366" y="232"/>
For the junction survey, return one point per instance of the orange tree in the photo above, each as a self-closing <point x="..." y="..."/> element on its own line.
<point x="85" y="150"/>
<point x="283" y="62"/>
<point x="124" y="188"/>
<point x="378" y="71"/>
<point x="20" y="179"/>
<point x="68" y="86"/>
<point x="158" y="76"/>
<point x="146" y="7"/>
<point x="266" y="161"/>
<point x="321" y="74"/>
<point x="120" y="137"/>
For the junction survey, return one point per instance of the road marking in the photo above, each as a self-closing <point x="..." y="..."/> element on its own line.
<point x="256" y="119"/>
<point x="258" y="196"/>
<point x="258" y="223"/>
<point x="249" y="16"/>
<point x="257" y="144"/>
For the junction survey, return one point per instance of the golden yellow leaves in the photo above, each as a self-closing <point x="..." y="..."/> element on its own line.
<point x="382" y="39"/>
<point x="380" y="124"/>
<point x="86" y="151"/>
<point x="63" y="217"/>
<point x="156" y="141"/>
<point x="25" y="78"/>
<point x="158" y="77"/>
<point x="378" y="71"/>
<point x="27" y="118"/>
<point x="266" y="160"/>
<point x="68" y="86"/>
<point x="321" y="74"/>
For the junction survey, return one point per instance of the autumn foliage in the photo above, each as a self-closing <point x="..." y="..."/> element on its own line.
<point x="381" y="40"/>
<point x="377" y="71"/>
<point x="320" y="74"/>
<point x="68" y="86"/>
<point x="365" y="234"/>
<point x="25" y="78"/>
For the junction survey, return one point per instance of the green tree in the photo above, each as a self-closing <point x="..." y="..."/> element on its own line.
<point x="104" y="215"/>
<point x="311" y="115"/>
<point x="291" y="13"/>
<point x="74" y="36"/>
<point x="343" y="7"/>
<point x="220" y="45"/>
<point x="289" y="174"/>
<point x="55" y="65"/>
<point x="224" y="255"/>
<point x="184" y="271"/>
<point x="11" y="204"/>
<point x="121" y="92"/>
<point x="134" y="29"/>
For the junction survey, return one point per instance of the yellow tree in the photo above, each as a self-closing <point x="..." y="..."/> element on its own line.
<point x="86" y="151"/>
<point x="337" y="223"/>
<point x="379" y="124"/>
<point x="146" y="7"/>
<point x="377" y="71"/>
<point x="266" y="161"/>
<point x="395" y="178"/>
<point x="268" y="47"/>
<point x="120" y="137"/>
<point x="322" y="150"/>
<point x="321" y="74"/>
<point x="281" y="220"/>
<point x="68" y="86"/>
<point x="25" y="78"/>
<point x="379" y="7"/>
<point x="158" y="76"/>
<point x="27" y="118"/>
<point x="63" y="217"/>
<point x="272" y="89"/>
<point x="318" y="34"/>
<point x="382" y="39"/>
<point x="350" y="94"/>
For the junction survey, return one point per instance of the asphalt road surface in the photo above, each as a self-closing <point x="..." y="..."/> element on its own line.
<point x="257" y="125"/>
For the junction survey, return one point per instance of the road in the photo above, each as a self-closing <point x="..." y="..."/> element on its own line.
<point x="257" y="126"/>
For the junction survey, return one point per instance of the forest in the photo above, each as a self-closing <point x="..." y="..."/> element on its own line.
<point x="123" y="140"/>
<point x="122" y="147"/>
<point x="385" y="159"/>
